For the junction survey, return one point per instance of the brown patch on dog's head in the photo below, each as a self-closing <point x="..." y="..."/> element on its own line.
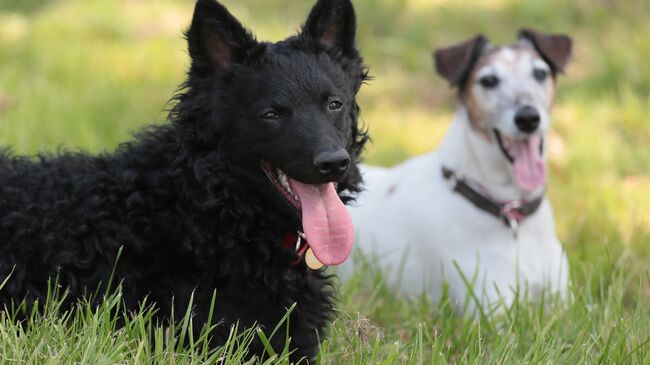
<point x="456" y="63"/>
<point x="475" y="110"/>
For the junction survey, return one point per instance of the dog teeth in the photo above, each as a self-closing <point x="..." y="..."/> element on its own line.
<point x="284" y="181"/>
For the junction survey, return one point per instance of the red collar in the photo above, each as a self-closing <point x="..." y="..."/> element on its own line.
<point x="296" y="242"/>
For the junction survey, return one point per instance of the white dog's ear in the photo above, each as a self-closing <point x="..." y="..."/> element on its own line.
<point x="555" y="49"/>
<point x="455" y="63"/>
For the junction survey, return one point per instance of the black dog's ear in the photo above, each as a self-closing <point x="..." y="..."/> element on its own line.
<point x="555" y="49"/>
<point x="456" y="62"/>
<point x="216" y="39"/>
<point x="333" y="24"/>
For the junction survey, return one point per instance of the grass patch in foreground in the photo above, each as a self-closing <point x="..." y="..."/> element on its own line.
<point x="107" y="333"/>
<point x="375" y="327"/>
<point x="600" y="325"/>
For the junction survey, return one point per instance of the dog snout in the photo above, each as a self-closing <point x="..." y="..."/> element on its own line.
<point x="332" y="163"/>
<point x="527" y="119"/>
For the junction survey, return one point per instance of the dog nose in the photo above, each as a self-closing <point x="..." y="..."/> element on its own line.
<point x="332" y="163"/>
<point x="527" y="119"/>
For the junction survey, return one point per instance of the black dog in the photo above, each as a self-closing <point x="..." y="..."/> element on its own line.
<point x="261" y="141"/>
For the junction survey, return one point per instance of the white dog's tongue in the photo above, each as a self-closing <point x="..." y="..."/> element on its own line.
<point x="326" y="222"/>
<point x="529" y="166"/>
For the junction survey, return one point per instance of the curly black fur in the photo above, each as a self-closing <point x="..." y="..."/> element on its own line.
<point x="187" y="201"/>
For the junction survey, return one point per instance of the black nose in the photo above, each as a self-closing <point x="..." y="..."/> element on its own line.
<point x="332" y="163"/>
<point x="527" y="119"/>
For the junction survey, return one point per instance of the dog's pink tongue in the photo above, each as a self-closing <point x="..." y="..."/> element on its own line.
<point x="529" y="166"/>
<point x="326" y="222"/>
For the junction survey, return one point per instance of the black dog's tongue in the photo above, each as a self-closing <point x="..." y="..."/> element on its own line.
<point x="326" y="222"/>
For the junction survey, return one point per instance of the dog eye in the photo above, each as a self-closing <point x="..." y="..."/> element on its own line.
<point x="335" y="105"/>
<point x="270" y="115"/>
<point x="489" y="81"/>
<point x="540" y="74"/>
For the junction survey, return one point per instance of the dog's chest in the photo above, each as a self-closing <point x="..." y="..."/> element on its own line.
<point x="413" y="208"/>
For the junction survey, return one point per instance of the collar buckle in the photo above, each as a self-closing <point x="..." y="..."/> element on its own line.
<point x="511" y="213"/>
<point x="511" y="208"/>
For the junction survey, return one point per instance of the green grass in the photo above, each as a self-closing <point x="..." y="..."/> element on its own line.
<point x="374" y="327"/>
<point x="86" y="74"/>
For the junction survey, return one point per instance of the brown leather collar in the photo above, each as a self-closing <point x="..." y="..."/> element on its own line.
<point x="512" y="213"/>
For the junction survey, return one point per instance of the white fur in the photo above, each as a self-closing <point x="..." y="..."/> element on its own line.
<point x="419" y="229"/>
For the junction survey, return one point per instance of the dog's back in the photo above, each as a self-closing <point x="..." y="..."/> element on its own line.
<point x="70" y="212"/>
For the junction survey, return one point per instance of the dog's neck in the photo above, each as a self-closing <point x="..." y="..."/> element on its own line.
<point x="476" y="156"/>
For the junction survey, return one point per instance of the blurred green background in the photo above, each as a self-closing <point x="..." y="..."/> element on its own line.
<point x="83" y="74"/>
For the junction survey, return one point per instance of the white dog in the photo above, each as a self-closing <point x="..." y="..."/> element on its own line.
<point x="474" y="213"/>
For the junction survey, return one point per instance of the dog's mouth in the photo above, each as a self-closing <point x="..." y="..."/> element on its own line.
<point x="326" y="221"/>
<point x="281" y="182"/>
<point x="527" y="159"/>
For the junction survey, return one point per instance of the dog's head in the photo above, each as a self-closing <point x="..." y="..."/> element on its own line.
<point x="283" y="114"/>
<point x="508" y="92"/>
